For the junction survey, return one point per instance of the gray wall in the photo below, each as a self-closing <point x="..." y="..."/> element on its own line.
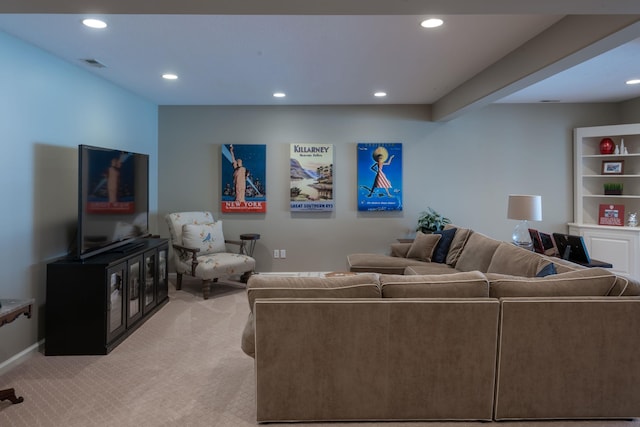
<point x="47" y="108"/>
<point x="464" y="169"/>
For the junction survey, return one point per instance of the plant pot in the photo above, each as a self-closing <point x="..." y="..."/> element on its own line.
<point x="612" y="192"/>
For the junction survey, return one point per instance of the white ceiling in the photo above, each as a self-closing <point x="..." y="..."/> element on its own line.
<point x="321" y="58"/>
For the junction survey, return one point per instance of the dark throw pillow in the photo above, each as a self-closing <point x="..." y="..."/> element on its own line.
<point x="442" y="248"/>
<point x="547" y="270"/>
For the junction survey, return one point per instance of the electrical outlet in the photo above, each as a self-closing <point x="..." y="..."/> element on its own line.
<point x="283" y="253"/>
<point x="276" y="253"/>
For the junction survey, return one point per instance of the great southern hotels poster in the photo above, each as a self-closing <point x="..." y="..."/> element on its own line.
<point x="311" y="177"/>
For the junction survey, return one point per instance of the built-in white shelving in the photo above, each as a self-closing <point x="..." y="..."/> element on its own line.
<point x="619" y="245"/>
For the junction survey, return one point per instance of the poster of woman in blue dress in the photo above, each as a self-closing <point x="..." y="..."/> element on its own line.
<point x="380" y="176"/>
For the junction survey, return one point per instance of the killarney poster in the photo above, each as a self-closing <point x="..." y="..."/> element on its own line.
<point x="379" y="176"/>
<point x="311" y="177"/>
<point x="244" y="178"/>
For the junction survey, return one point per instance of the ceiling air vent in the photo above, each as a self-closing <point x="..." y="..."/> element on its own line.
<point x="93" y="63"/>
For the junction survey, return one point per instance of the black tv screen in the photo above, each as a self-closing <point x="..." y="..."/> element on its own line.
<point x="113" y="199"/>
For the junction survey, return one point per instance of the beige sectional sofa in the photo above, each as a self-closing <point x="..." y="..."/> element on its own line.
<point x="480" y="338"/>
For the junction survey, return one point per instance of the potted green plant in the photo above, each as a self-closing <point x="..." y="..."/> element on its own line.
<point x="613" y="189"/>
<point x="430" y="221"/>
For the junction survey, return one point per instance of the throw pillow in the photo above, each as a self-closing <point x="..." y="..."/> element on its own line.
<point x="399" y="250"/>
<point x="423" y="246"/>
<point x="442" y="248"/>
<point x="547" y="270"/>
<point x="206" y="237"/>
<point x="459" y="240"/>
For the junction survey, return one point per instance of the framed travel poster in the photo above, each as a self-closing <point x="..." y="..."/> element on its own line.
<point x="244" y="178"/>
<point x="311" y="177"/>
<point x="379" y="176"/>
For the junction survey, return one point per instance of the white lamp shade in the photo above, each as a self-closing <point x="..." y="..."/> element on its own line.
<point x="525" y="207"/>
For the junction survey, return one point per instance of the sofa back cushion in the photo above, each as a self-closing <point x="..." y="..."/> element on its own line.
<point x="471" y="284"/>
<point x="364" y="285"/>
<point x="510" y="259"/>
<point x="457" y="244"/>
<point x="477" y="253"/>
<point x="587" y="282"/>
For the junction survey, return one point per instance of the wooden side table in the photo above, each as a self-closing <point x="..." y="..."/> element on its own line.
<point x="10" y="310"/>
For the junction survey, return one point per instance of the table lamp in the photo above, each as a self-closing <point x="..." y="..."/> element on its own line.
<point x="524" y="208"/>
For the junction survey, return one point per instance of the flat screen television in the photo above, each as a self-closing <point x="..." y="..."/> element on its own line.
<point x="113" y="199"/>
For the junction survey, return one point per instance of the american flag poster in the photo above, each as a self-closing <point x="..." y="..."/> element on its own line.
<point x="379" y="176"/>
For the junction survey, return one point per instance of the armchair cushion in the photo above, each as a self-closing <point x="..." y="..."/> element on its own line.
<point x="206" y="237"/>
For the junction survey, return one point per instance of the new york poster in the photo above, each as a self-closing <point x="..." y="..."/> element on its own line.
<point x="379" y="176"/>
<point x="244" y="178"/>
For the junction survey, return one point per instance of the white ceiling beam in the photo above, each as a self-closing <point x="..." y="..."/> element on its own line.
<point x="569" y="42"/>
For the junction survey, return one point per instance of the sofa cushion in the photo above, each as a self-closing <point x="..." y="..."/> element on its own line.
<point x="625" y="286"/>
<point x="442" y="248"/>
<point x="587" y="282"/>
<point x="400" y="249"/>
<point x="511" y="259"/>
<point x="353" y="286"/>
<point x="429" y="268"/>
<point x="457" y="244"/>
<point x="206" y="237"/>
<point x="477" y="253"/>
<point x="379" y="263"/>
<point x="423" y="246"/>
<point x="471" y="284"/>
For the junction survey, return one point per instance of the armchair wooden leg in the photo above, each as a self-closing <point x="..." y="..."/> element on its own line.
<point x="178" y="281"/>
<point x="206" y="288"/>
<point x="245" y="277"/>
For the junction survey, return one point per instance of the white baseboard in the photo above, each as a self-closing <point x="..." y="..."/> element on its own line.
<point x="17" y="359"/>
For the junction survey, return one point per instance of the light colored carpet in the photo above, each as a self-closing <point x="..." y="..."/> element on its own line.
<point x="183" y="367"/>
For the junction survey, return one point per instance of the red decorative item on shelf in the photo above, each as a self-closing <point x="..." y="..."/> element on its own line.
<point x="607" y="146"/>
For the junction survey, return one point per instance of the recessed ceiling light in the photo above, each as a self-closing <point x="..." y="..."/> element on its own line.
<point x="633" y="82"/>
<point x="279" y="95"/>
<point x="432" y="23"/>
<point x="94" y="23"/>
<point x="170" y="76"/>
<point x="380" y="94"/>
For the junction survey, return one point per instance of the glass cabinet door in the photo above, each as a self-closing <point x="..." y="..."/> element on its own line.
<point x="134" y="288"/>
<point x="149" y="280"/>
<point x="115" y="301"/>
<point x="163" y="282"/>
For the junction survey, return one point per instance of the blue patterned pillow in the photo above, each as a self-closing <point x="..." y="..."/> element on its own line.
<point x="442" y="249"/>
<point x="547" y="270"/>
<point x="206" y="237"/>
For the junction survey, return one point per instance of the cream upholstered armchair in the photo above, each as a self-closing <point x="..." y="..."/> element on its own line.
<point x="200" y="250"/>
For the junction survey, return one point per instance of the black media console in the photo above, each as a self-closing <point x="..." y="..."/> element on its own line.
<point x="94" y="304"/>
